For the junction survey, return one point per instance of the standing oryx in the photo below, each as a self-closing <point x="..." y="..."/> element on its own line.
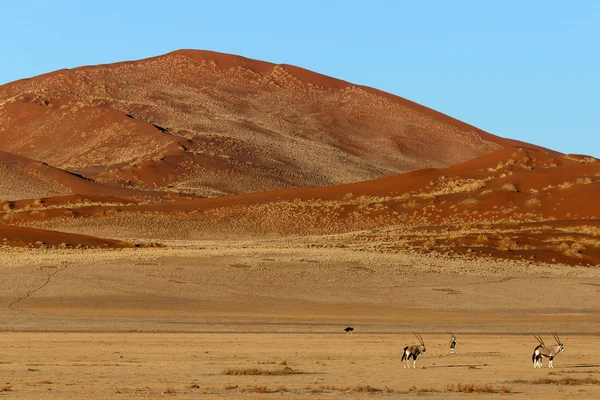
<point x="452" y="342"/>
<point x="550" y="352"/>
<point x="537" y="350"/>
<point x="413" y="351"/>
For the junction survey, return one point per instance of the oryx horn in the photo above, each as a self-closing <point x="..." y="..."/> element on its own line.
<point x="556" y="338"/>
<point x="420" y="338"/>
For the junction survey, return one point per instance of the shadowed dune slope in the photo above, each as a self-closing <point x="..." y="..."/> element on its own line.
<point x="23" y="178"/>
<point x="211" y="124"/>
<point x="27" y="237"/>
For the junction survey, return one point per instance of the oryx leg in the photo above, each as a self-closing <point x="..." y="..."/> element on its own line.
<point x="550" y="363"/>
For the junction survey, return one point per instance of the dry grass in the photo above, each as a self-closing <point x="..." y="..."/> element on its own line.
<point x="258" y="371"/>
<point x="565" y="185"/>
<point x="580" y="159"/>
<point x="562" y="381"/>
<point x="510" y="187"/>
<point x="462" y="388"/>
<point x="353" y="389"/>
<point x="364" y="389"/>
<point x="471" y="388"/>
<point x="533" y="202"/>
<point x="583" y="181"/>
<point x="170" y="390"/>
<point x="263" y="389"/>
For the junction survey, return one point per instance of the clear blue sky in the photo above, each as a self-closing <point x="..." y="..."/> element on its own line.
<point x="528" y="70"/>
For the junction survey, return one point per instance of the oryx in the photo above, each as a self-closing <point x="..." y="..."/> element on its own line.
<point x="413" y="351"/>
<point x="549" y="352"/>
<point x="452" y="342"/>
<point x="537" y="350"/>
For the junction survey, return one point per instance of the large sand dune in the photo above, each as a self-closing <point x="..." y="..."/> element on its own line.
<point x="518" y="203"/>
<point x="210" y="123"/>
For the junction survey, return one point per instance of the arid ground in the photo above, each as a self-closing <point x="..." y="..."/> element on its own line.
<point x="182" y="320"/>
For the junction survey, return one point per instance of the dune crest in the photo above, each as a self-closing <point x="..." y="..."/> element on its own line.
<point x="208" y="124"/>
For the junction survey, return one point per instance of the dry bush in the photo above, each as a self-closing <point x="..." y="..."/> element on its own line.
<point x="355" y="389"/>
<point x="580" y="159"/>
<point x="457" y="186"/>
<point x="583" y="181"/>
<point x="364" y="389"/>
<point x="6" y="388"/>
<point x="170" y="390"/>
<point x="417" y="390"/>
<point x="257" y="371"/>
<point x="462" y="388"/>
<point x="565" y="185"/>
<point x="508" y="244"/>
<point x="533" y="202"/>
<point x="411" y="204"/>
<point x="574" y="253"/>
<point x="510" y="187"/>
<point x="562" y="381"/>
<point x="470" y="388"/>
<point x="264" y="389"/>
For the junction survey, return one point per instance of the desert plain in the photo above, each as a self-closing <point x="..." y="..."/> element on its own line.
<point x="181" y="321"/>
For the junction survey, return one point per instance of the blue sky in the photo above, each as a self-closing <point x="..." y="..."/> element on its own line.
<point x="528" y="70"/>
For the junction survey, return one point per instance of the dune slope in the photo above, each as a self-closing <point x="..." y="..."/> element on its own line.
<point x="516" y="203"/>
<point x="211" y="124"/>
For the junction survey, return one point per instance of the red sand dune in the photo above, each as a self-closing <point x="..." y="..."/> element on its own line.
<point x="210" y="124"/>
<point x="23" y="178"/>
<point x="306" y="154"/>
<point x="28" y="237"/>
<point x="515" y="203"/>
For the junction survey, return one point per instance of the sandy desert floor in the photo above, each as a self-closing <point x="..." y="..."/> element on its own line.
<point x="171" y="321"/>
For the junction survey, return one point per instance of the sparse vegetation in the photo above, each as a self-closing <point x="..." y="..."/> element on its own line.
<point x="258" y="371"/>
<point x="509" y="187"/>
<point x="560" y="381"/>
<point x="170" y="390"/>
<point x="462" y="388"/>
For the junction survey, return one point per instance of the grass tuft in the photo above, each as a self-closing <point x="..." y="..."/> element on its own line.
<point x="258" y="371"/>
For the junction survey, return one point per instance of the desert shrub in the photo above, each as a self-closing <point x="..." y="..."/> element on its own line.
<point x="510" y="187"/>
<point x="258" y="371"/>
